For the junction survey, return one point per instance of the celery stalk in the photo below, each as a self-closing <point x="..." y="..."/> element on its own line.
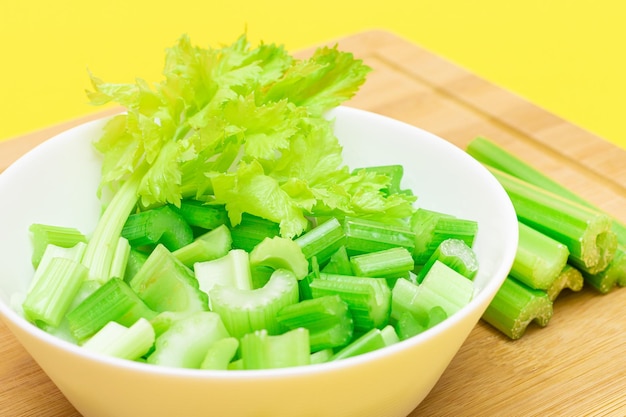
<point x="615" y="274"/>
<point x="371" y="340"/>
<point x="123" y="342"/>
<point x="44" y="235"/>
<point x="454" y="253"/>
<point x="322" y="241"/>
<point x="262" y="350"/>
<point x="220" y="354"/>
<point x="208" y="246"/>
<point x="570" y="278"/>
<point x="280" y="253"/>
<point x="199" y="214"/>
<point x="387" y="263"/>
<point x="365" y="236"/>
<point x="158" y="225"/>
<point x="339" y="263"/>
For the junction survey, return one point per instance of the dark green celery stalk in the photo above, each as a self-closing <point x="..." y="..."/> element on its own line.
<point x="586" y="232"/>
<point x="200" y="214"/>
<point x="251" y="231"/>
<point x="539" y="259"/>
<point x="515" y="305"/>
<point x="210" y="245"/>
<point x="615" y="274"/>
<point x="158" y="225"/>
<point x="327" y="319"/>
<point x="387" y="263"/>
<point x="322" y="241"/>
<point x="339" y="263"/>
<point x="165" y="284"/>
<point x="454" y="253"/>
<point x="262" y="350"/>
<point x="113" y="301"/>
<point x="570" y="278"/>
<point x="44" y="235"/>
<point x="365" y="235"/>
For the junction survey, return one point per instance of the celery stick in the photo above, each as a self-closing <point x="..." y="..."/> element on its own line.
<point x="52" y="251"/>
<point x="113" y="301"/>
<point x="120" y="259"/>
<point x="327" y="319"/>
<point x="165" y="284"/>
<point x="586" y="232"/>
<point x="220" y="354"/>
<point x="515" y="305"/>
<point x="245" y="311"/>
<point x="136" y="259"/>
<point x="252" y="230"/>
<point x="262" y="350"/>
<point x="321" y="356"/>
<point x="614" y="274"/>
<point x="339" y="263"/>
<point x="231" y="270"/>
<point x="158" y="225"/>
<point x="369" y="299"/>
<point x="186" y="342"/>
<point x="365" y="235"/>
<point x="387" y="263"/>
<point x="52" y="295"/>
<point x="123" y="342"/>
<point x="570" y="278"/>
<point x="206" y="247"/>
<point x="456" y="254"/>
<point x="539" y="259"/>
<point x="368" y="342"/>
<point x="280" y="253"/>
<point x="410" y="324"/>
<point x="322" y="241"/>
<point x="44" y="235"/>
<point x="199" y="214"/>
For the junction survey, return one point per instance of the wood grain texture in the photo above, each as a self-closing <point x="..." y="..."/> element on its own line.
<point x="575" y="366"/>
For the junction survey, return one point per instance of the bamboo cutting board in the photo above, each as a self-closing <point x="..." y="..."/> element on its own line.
<point x="575" y="366"/>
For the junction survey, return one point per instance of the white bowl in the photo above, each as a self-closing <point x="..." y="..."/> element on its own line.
<point x="56" y="184"/>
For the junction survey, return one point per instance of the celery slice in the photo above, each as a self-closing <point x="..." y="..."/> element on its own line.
<point x="456" y="254"/>
<point x="322" y="241"/>
<point x="158" y="225"/>
<point x="327" y="319"/>
<point x="365" y="236"/>
<point x="206" y="247"/>
<point x="44" y="235"/>
<point x="387" y="263"/>
<point x="339" y="263"/>
<point x="52" y="251"/>
<point x="123" y="342"/>
<point x="120" y="259"/>
<point x="280" y="253"/>
<point x="251" y="231"/>
<point x="368" y="342"/>
<point x="614" y="274"/>
<point x="220" y="354"/>
<point x="50" y="298"/>
<point x="262" y="350"/>
<point x="245" y="311"/>
<point x="202" y="215"/>
<point x="186" y="343"/>
<point x="570" y="278"/>
<point x="135" y="261"/>
<point x="515" y="306"/>
<point x="231" y="270"/>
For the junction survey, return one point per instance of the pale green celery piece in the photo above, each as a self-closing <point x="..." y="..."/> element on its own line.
<point x="369" y="299"/>
<point x="322" y="241"/>
<point x="220" y="354"/>
<point x="186" y="342"/>
<point x="368" y="342"/>
<point x="515" y="306"/>
<point x="165" y="284"/>
<point x="231" y="270"/>
<point x="52" y="251"/>
<point x="410" y="324"/>
<point x="262" y="350"/>
<point x="245" y="311"/>
<point x="236" y="365"/>
<point x="51" y="297"/>
<point x="44" y="235"/>
<point x="570" y="278"/>
<point x="539" y="258"/>
<point x="327" y="319"/>
<point x="445" y="284"/>
<point x="123" y="342"/>
<point x="389" y="334"/>
<point x="339" y="263"/>
<point x="388" y="263"/>
<point x="321" y="356"/>
<point x="120" y="259"/>
<point x="280" y="253"/>
<point x="613" y="275"/>
<point x="208" y="246"/>
<point x="454" y="253"/>
<point x="365" y="235"/>
<point x="166" y="319"/>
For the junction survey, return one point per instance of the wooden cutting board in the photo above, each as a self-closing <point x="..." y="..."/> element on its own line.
<point x="575" y="366"/>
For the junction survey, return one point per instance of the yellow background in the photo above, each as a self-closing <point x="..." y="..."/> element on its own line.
<point x="565" y="55"/>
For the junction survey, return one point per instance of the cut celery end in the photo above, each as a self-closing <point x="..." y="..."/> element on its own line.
<point x="186" y="342"/>
<point x="206" y="247"/>
<point x="52" y="295"/>
<point x="251" y="231"/>
<point x="368" y="342"/>
<point x="158" y="225"/>
<point x="205" y="216"/>
<point x="569" y="278"/>
<point x="339" y="263"/>
<point x="327" y="319"/>
<point x="369" y="299"/>
<point x="113" y="301"/>
<point x="539" y="259"/>
<point x="454" y="253"/>
<point x="123" y="342"/>
<point x="165" y="284"/>
<point x="613" y="275"/>
<point x="74" y="253"/>
<point x="388" y="263"/>
<point x="245" y="311"/>
<point x="321" y="356"/>
<point x="120" y="259"/>
<point x="220" y="354"/>
<point x="44" y="235"/>
<point x="365" y="236"/>
<point x="280" y="253"/>
<point x="262" y="350"/>
<point x="322" y="241"/>
<point x="410" y="324"/>
<point x="515" y="306"/>
<point x="231" y="270"/>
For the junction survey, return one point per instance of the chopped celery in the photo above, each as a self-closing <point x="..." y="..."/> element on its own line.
<point x="280" y="253"/>
<point x="321" y="356"/>
<point x="327" y="319"/>
<point x="456" y="254"/>
<point x="123" y="342"/>
<point x="614" y="274"/>
<point x="365" y="235"/>
<point x="44" y="235"/>
<point x="339" y="263"/>
<point x="50" y="298"/>
<point x="393" y="172"/>
<point x="113" y="301"/>
<point x="200" y="214"/>
<point x="252" y="230"/>
<point x="372" y="340"/>
<point x="136" y="259"/>
<point x="515" y="305"/>
<point x="165" y="284"/>
<point x="245" y="311"/>
<point x="231" y="270"/>
<point x="387" y="263"/>
<point x="570" y="278"/>
<point x="539" y="259"/>
<point x="158" y="225"/>
<point x="262" y="350"/>
<point x="322" y="241"/>
<point x="369" y="299"/>
<point x="120" y="259"/>
<point x="220" y="354"/>
<point x="186" y="342"/>
<point x="410" y="324"/>
<point x="206" y="247"/>
<point x="52" y="251"/>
